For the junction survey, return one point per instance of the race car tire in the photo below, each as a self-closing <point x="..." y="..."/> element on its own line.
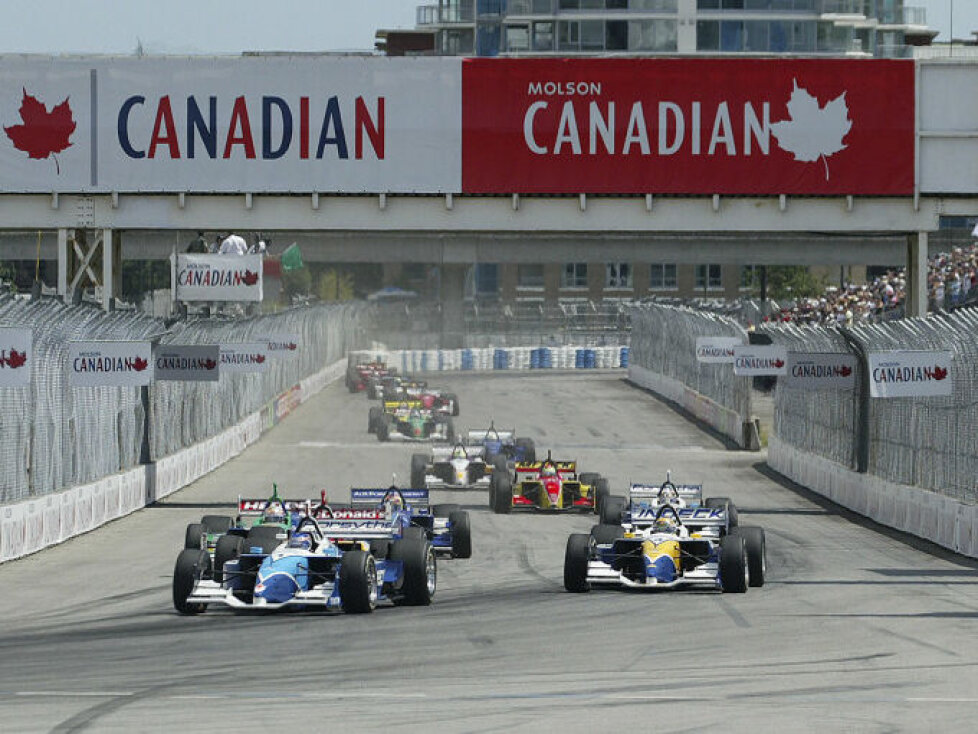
<point x="604" y="534"/>
<point x="601" y="493"/>
<point x="500" y="464"/>
<point x="415" y="532"/>
<point x="444" y="510"/>
<point x="373" y="419"/>
<point x="454" y="400"/>
<point x="589" y="478"/>
<point x="216" y="524"/>
<point x="194" y="537"/>
<point x="264" y="537"/>
<point x="228" y="548"/>
<point x="576" y="557"/>
<point x="756" y="552"/>
<point x="419" y="468"/>
<point x="612" y="509"/>
<point x="384" y="428"/>
<point x="734" y="570"/>
<point x="380" y="548"/>
<point x="420" y="571"/>
<point x="501" y="494"/>
<point x="192" y="564"/>
<point x="724" y="503"/>
<point x="371" y="390"/>
<point x="358" y="582"/>
<point x="461" y="534"/>
<point x="529" y="449"/>
<point x="351" y="385"/>
<point x="449" y="430"/>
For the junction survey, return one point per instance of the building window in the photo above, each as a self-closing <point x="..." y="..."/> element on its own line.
<point x="529" y="276"/>
<point x="662" y="276"/>
<point x="569" y="35"/>
<point x="543" y="36"/>
<point x="652" y="35"/>
<point x="616" y="35"/>
<point x="592" y="35"/>
<point x="618" y="276"/>
<point x="750" y="277"/>
<point x="486" y="279"/>
<point x="574" y="275"/>
<point x="708" y="277"/>
<point x="518" y="38"/>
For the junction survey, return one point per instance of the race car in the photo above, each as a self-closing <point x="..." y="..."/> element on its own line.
<point x="547" y="485"/>
<point x="451" y="467"/>
<point x="360" y="374"/>
<point x="407" y="420"/>
<point x="644" y="499"/>
<point x="666" y="548"/>
<point x="401" y="388"/>
<point x="502" y="443"/>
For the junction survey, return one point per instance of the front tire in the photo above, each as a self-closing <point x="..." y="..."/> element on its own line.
<point x="228" y="548"/>
<point x="384" y="428"/>
<point x="601" y="493"/>
<point x="576" y="557"/>
<point x="605" y="534"/>
<point x="373" y="419"/>
<point x="358" y="582"/>
<point x="461" y="534"/>
<point x="193" y="564"/>
<point x="611" y="510"/>
<point x="501" y="494"/>
<point x="756" y="547"/>
<point x="420" y="572"/>
<point x="419" y="468"/>
<point x="733" y="564"/>
<point x="194" y="537"/>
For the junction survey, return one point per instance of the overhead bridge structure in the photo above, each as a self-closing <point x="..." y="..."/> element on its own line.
<point x="450" y="161"/>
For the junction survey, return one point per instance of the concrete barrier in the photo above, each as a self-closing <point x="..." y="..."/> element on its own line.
<point x="920" y="512"/>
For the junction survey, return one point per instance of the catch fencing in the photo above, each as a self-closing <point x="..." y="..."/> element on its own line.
<point x="663" y="359"/>
<point x="53" y="436"/>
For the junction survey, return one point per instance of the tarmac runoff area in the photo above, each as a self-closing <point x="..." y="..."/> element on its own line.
<point x="857" y="628"/>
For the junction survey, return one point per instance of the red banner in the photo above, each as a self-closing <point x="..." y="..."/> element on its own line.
<point x="688" y="126"/>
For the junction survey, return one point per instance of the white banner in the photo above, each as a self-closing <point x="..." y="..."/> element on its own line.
<point x="716" y="349"/>
<point x="757" y="361"/>
<point x="288" y="124"/>
<point x="16" y="356"/>
<point x="187" y="362"/>
<point x="219" y="278"/>
<point x="910" y="374"/>
<point x="110" y="364"/>
<point x="808" y="371"/>
<point x="282" y="346"/>
<point x="251" y="357"/>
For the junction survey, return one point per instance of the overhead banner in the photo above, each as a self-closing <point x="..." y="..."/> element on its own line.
<point x="688" y="126"/>
<point x="218" y="278"/>
<point x="757" y="361"/>
<point x="16" y="356"/>
<point x="808" y="371"/>
<point x="251" y="357"/>
<point x="288" y="124"/>
<point x="110" y="364"/>
<point x="187" y="362"/>
<point x="282" y="346"/>
<point x="716" y="349"/>
<point x="910" y="374"/>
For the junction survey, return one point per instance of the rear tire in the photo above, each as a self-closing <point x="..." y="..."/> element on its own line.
<point x="461" y="534"/>
<point x="604" y="534"/>
<point x="194" y="537"/>
<point x="724" y="503"/>
<point x="373" y="419"/>
<point x="358" y="582"/>
<point x="384" y="427"/>
<point x="612" y="509"/>
<point x="228" y="548"/>
<point x="192" y="565"/>
<point x="529" y="449"/>
<point x="265" y="537"/>
<point x="601" y="493"/>
<point x="501" y="494"/>
<point x="454" y="398"/>
<point x="756" y="552"/>
<point x="576" y="557"/>
<point x="589" y="478"/>
<point x="419" y="468"/>
<point x="444" y="510"/>
<point x="216" y="524"/>
<point x="420" y="571"/>
<point x="733" y="564"/>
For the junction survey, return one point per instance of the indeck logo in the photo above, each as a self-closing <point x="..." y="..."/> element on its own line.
<point x="813" y="132"/>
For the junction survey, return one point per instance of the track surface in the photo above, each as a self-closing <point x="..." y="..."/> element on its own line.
<point x="857" y="629"/>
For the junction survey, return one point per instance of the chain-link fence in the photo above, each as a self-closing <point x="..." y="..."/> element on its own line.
<point x="664" y="341"/>
<point x="54" y="436"/>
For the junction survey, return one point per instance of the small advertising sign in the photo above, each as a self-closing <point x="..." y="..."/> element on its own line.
<point x="282" y="346"/>
<point x="811" y="371"/>
<point x="251" y="357"/>
<point x="187" y="362"/>
<point x="910" y="374"/>
<point x="757" y="361"/>
<point x="16" y="356"/>
<point x="218" y="278"/>
<point x="110" y="364"/>
<point x="716" y="349"/>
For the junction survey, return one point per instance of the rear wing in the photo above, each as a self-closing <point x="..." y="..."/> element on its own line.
<point x="415" y="498"/>
<point x="694" y="518"/>
<point x="254" y="507"/>
<point x="392" y="405"/>
<point x="649" y="492"/>
<point x="478" y="437"/>
<point x="563" y="468"/>
<point x="446" y="453"/>
<point x="348" y="528"/>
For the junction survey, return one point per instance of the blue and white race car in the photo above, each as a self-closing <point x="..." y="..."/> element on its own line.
<point x="345" y="559"/>
<point x="644" y="500"/>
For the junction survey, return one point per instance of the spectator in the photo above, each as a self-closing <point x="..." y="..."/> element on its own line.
<point x="234" y="245"/>
<point x="198" y="245"/>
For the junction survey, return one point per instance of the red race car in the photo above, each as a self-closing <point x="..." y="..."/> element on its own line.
<point x="547" y="485"/>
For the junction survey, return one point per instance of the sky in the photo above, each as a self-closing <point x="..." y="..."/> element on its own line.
<point x="233" y="26"/>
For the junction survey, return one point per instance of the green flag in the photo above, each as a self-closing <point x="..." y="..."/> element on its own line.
<point x="292" y="258"/>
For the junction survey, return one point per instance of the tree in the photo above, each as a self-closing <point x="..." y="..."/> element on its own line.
<point x="792" y="281"/>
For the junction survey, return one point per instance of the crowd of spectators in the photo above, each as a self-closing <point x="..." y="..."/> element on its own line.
<point x="952" y="281"/>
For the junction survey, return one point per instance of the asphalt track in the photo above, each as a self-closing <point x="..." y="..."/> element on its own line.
<point x="857" y="629"/>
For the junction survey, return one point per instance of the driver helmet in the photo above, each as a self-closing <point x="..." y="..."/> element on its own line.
<point x="415" y="413"/>
<point x="666" y="524"/>
<point x="393" y="501"/>
<point x="301" y="540"/>
<point x="459" y="452"/>
<point x="274" y="512"/>
<point x="548" y="470"/>
<point x="668" y="493"/>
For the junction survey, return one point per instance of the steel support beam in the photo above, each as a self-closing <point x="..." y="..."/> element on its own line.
<point x="917" y="274"/>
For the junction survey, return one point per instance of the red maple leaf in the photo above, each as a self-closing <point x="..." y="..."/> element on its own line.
<point x="940" y="373"/>
<point x="42" y="133"/>
<point x="139" y="364"/>
<point x="16" y="359"/>
<point x="209" y="364"/>
<point x="249" y="278"/>
<point x="779" y="363"/>
<point x="292" y="346"/>
<point x="845" y="370"/>
<point x="259" y="358"/>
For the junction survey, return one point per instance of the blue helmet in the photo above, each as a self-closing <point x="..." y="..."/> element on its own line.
<point x="301" y="540"/>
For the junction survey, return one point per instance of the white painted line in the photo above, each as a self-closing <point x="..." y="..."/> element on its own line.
<point x="76" y="694"/>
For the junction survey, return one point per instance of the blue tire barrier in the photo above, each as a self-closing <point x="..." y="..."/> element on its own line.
<point x="468" y="362"/>
<point x="441" y="360"/>
<point x="534" y="359"/>
<point x="424" y="361"/>
<point x="500" y="359"/>
<point x="623" y="359"/>
<point x="546" y="358"/>
<point x="589" y="359"/>
<point x="579" y="359"/>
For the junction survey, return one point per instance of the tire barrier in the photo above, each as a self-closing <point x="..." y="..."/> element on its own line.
<point x="408" y="361"/>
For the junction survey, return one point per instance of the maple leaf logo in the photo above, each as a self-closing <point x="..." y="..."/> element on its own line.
<point x="813" y="132"/>
<point x="139" y="364"/>
<point x="15" y="359"/>
<point x="249" y="278"/>
<point x="845" y="370"/>
<point x="42" y="133"/>
<point x="939" y="373"/>
<point x="292" y="346"/>
<point x="259" y="358"/>
<point x="209" y="364"/>
<point x="778" y="363"/>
